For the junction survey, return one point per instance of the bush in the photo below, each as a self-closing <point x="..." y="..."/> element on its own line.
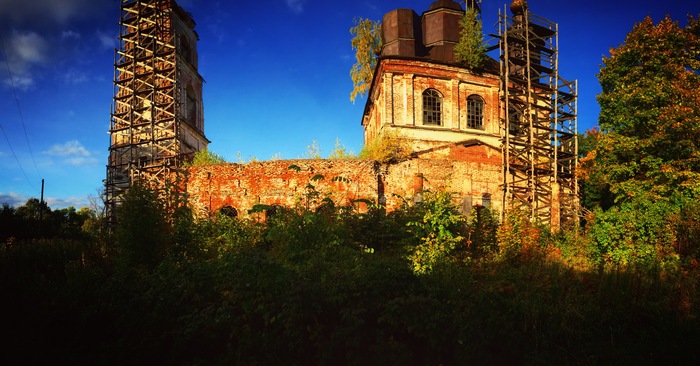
<point x="388" y="147"/>
<point x="637" y="233"/>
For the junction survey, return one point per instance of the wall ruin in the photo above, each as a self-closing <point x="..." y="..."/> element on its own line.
<point x="472" y="175"/>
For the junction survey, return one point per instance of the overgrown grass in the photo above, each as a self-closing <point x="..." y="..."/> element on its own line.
<point x="340" y="287"/>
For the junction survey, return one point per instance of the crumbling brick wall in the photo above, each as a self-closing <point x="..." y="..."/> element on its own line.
<point x="471" y="173"/>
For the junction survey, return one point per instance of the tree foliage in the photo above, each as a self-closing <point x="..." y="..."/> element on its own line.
<point x="367" y="42"/>
<point x="650" y="112"/>
<point x="471" y="50"/>
<point x="205" y="157"/>
<point x="641" y="172"/>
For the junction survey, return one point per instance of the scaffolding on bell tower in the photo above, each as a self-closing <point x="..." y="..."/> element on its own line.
<point x="156" y="115"/>
<point x="539" y="124"/>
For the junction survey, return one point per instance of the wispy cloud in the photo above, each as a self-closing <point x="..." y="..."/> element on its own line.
<point x="55" y="203"/>
<point x="25" y="51"/>
<point x="70" y="34"/>
<point x="69" y="148"/>
<point x="296" y="6"/>
<point x="21" y="11"/>
<point x="72" y="152"/>
<point x="59" y="203"/>
<point x="13" y="199"/>
<point x="107" y="41"/>
<point x="74" y="76"/>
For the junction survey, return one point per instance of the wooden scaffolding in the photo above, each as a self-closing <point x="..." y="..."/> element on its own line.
<point x="147" y="120"/>
<point x="539" y="124"/>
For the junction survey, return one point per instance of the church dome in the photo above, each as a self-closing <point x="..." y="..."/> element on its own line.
<point x="518" y="7"/>
<point x="448" y="4"/>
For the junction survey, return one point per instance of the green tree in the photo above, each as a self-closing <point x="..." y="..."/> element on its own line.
<point x="471" y="50"/>
<point x="143" y="235"/>
<point x="650" y="112"/>
<point x="340" y="152"/>
<point x="367" y="42"/>
<point x="313" y="151"/>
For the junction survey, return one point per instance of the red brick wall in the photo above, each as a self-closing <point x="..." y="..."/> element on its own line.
<point x="472" y="173"/>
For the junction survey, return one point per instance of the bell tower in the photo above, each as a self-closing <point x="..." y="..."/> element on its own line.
<point x="157" y="119"/>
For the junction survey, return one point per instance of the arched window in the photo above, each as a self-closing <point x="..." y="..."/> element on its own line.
<point x="432" y="107"/>
<point x="229" y="211"/>
<point x="475" y="112"/>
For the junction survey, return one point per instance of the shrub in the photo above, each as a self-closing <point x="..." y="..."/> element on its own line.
<point x="388" y="147"/>
<point x="437" y="230"/>
<point x="636" y="233"/>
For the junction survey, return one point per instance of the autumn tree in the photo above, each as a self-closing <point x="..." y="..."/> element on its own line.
<point x="471" y="50"/>
<point x="650" y="113"/>
<point x="367" y="42"/>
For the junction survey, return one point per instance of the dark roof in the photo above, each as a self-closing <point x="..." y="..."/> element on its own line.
<point x="449" y="4"/>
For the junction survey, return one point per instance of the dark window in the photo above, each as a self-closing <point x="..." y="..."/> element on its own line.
<point x="475" y="112"/>
<point x="185" y="49"/>
<point x="432" y="107"/>
<point x="192" y="111"/>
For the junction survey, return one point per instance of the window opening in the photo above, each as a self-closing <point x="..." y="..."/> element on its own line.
<point x="432" y="107"/>
<point x="475" y="112"/>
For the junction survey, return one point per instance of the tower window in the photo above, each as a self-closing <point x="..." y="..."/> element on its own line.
<point x="191" y="106"/>
<point x="475" y="112"/>
<point x="185" y="49"/>
<point x="432" y="107"/>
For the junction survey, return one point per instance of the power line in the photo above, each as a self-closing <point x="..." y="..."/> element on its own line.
<point x="15" y="155"/>
<point x="19" y="110"/>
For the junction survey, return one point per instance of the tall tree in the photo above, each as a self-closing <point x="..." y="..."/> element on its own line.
<point x="650" y="112"/>
<point x="367" y="42"/>
<point x="471" y="50"/>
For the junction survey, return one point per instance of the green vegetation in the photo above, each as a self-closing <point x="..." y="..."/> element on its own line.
<point x="389" y="147"/>
<point x="313" y="151"/>
<point x="367" y="42"/>
<point x="333" y="285"/>
<point x="340" y="151"/>
<point x="641" y="171"/>
<point x="471" y="50"/>
<point x="205" y="157"/>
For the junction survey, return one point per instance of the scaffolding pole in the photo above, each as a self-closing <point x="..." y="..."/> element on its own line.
<point x="538" y="125"/>
<point x="144" y="143"/>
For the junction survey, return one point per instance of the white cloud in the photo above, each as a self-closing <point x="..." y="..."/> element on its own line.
<point x="25" y="51"/>
<point x="74" y="148"/>
<point x="297" y="6"/>
<point x="73" y="152"/>
<point x="13" y="199"/>
<point x="107" y="41"/>
<point x="55" y="203"/>
<point x="59" y="203"/>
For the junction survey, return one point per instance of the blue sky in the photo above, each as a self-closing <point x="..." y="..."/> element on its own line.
<point x="276" y="72"/>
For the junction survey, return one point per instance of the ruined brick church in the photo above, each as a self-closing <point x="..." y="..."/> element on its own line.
<point x="501" y="136"/>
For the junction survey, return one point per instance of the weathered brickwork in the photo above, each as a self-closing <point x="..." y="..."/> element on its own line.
<point x="472" y="175"/>
<point x="283" y="182"/>
<point x="396" y="102"/>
